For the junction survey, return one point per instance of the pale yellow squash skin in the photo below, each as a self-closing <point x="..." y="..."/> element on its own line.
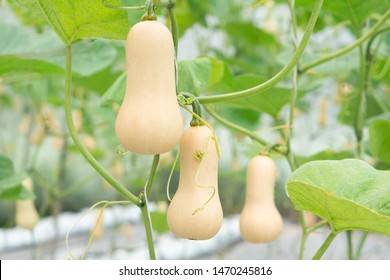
<point x="149" y="120"/>
<point x="192" y="193"/>
<point x="260" y="220"/>
<point x="26" y="215"/>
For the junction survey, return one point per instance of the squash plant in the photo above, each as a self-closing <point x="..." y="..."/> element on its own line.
<point x="346" y="189"/>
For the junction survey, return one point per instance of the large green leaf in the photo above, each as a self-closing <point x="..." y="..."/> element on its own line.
<point x="380" y="139"/>
<point x="194" y="75"/>
<point x="73" y="20"/>
<point x="88" y="57"/>
<point x="348" y="194"/>
<point x="23" y="51"/>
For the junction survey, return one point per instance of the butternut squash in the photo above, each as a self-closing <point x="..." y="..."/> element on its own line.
<point x="260" y="220"/>
<point x="195" y="211"/>
<point x="26" y="215"/>
<point x="149" y="120"/>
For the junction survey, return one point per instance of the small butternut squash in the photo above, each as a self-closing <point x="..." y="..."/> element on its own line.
<point x="149" y="120"/>
<point x="260" y="220"/>
<point x="26" y="215"/>
<point x="195" y="211"/>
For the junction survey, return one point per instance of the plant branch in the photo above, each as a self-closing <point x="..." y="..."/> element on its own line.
<point x="360" y="245"/>
<point x="152" y="174"/>
<point x="174" y="27"/>
<point x="242" y="130"/>
<point x="148" y="226"/>
<point x="347" y="49"/>
<point x="321" y="251"/>
<point x="72" y="130"/>
<point x="316" y="226"/>
<point x="280" y="75"/>
<point x="294" y="93"/>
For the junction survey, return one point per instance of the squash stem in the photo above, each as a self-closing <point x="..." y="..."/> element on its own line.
<point x="321" y="251"/>
<point x="72" y="130"/>
<point x="174" y="27"/>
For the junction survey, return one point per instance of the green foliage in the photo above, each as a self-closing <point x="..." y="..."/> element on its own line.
<point x="75" y="20"/>
<point x="348" y="194"/>
<point x="194" y="75"/>
<point x="22" y="51"/>
<point x="380" y="139"/>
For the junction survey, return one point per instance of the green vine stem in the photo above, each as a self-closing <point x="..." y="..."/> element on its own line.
<point x="321" y="251"/>
<point x="152" y="174"/>
<point x="148" y="226"/>
<point x="316" y="226"/>
<point x="72" y="130"/>
<point x="189" y="99"/>
<point x="279" y="149"/>
<point x="280" y="75"/>
<point x="174" y="25"/>
<point x="347" y="49"/>
<point x="305" y="234"/>
<point x="349" y="244"/>
<point x="360" y="245"/>
<point x="290" y="124"/>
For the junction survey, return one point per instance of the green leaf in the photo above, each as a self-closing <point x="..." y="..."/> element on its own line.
<point x="91" y="57"/>
<point x="116" y="91"/>
<point x="350" y="106"/>
<point x="6" y="167"/>
<point x="348" y="194"/>
<point x="194" y="75"/>
<point x="190" y="12"/>
<point x="242" y="117"/>
<point x="22" y="51"/>
<point x="159" y="221"/>
<point x="270" y="101"/>
<point x="73" y="20"/>
<point x="379" y="141"/>
<point x="217" y="71"/>
<point x="11" y="188"/>
<point x="355" y="11"/>
<point x="14" y="65"/>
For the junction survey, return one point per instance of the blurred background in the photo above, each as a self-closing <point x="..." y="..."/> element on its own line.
<point x="250" y="41"/>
